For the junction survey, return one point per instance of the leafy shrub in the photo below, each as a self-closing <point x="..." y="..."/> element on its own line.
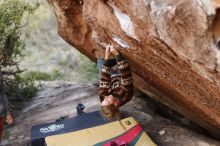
<point x="43" y="76"/>
<point x="14" y="16"/>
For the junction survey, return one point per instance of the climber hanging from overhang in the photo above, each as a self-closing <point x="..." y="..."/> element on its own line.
<point x="116" y="84"/>
<point x="105" y="128"/>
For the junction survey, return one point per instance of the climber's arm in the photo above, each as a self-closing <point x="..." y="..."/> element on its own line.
<point x="105" y="80"/>
<point x="105" y="76"/>
<point x="126" y="80"/>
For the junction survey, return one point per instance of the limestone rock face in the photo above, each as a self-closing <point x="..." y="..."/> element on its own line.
<point x="171" y="46"/>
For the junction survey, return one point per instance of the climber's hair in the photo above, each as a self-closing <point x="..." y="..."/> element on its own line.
<point x="110" y="111"/>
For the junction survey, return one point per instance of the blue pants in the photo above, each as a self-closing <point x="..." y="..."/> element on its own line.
<point x="113" y="62"/>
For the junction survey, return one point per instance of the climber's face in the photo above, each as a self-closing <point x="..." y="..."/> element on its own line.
<point x="108" y="100"/>
<point x="107" y="106"/>
<point x="109" y="110"/>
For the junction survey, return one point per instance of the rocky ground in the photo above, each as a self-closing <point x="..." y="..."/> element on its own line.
<point x="59" y="98"/>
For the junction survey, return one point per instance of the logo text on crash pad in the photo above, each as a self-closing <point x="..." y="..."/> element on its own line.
<point x="51" y="128"/>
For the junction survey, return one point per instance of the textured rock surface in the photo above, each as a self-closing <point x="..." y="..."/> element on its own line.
<point x="59" y="98"/>
<point x="170" y="45"/>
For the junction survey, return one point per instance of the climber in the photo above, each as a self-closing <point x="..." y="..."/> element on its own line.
<point x="4" y="111"/>
<point x="116" y="84"/>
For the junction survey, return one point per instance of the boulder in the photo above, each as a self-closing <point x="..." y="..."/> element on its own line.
<point x="171" y="45"/>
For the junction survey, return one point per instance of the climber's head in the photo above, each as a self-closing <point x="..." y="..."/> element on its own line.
<point x="108" y="107"/>
<point x="109" y="110"/>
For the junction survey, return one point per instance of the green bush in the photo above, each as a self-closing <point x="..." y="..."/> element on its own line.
<point x="20" y="90"/>
<point x="14" y="16"/>
<point x="43" y="76"/>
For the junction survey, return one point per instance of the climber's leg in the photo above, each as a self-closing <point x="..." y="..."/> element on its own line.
<point x="100" y="62"/>
<point x="113" y="64"/>
<point x="114" y="68"/>
<point x="99" y="53"/>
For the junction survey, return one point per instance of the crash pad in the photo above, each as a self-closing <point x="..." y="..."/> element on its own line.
<point x="88" y="120"/>
<point x="127" y="130"/>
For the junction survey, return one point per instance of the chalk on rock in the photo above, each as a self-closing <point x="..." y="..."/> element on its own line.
<point x="162" y="132"/>
<point x="121" y="42"/>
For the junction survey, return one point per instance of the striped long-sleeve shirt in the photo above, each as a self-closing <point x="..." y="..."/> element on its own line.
<point x="119" y="86"/>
